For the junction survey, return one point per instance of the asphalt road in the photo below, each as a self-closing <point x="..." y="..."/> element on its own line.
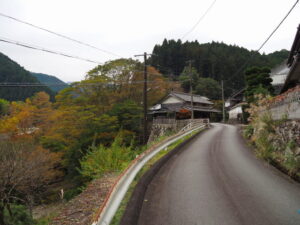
<point x="217" y="180"/>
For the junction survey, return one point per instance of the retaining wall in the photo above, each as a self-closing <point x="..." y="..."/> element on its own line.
<point x="286" y="105"/>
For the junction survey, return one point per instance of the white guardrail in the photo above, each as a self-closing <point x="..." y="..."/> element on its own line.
<point x="112" y="203"/>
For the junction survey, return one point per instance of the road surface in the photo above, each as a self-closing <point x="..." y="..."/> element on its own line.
<point x="217" y="180"/>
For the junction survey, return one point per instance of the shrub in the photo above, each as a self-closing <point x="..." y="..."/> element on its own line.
<point x="20" y="216"/>
<point x="248" y="131"/>
<point x="264" y="147"/>
<point x="100" y="159"/>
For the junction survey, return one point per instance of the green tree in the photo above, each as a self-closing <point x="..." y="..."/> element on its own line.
<point x="129" y="115"/>
<point x="214" y="60"/>
<point x="11" y="72"/>
<point x="258" y="81"/>
<point x="209" y="88"/>
<point x="4" y="107"/>
<point x="186" y="76"/>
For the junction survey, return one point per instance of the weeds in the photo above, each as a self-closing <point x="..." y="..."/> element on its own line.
<point x="271" y="143"/>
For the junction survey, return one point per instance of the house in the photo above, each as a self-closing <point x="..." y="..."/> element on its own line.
<point x="234" y="105"/>
<point x="178" y="105"/>
<point x="293" y="77"/>
<point x="235" y="98"/>
<point x="278" y="76"/>
<point x="287" y="104"/>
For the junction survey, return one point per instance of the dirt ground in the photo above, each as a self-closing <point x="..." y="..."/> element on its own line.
<point x="82" y="209"/>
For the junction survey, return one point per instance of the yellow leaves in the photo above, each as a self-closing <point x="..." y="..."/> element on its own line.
<point x="8" y="125"/>
<point x="41" y="100"/>
<point x="27" y="118"/>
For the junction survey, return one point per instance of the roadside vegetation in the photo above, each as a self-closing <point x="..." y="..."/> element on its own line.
<point x="268" y="136"/>
<point x="270" y="140"/>
<point x="51" y="150"/>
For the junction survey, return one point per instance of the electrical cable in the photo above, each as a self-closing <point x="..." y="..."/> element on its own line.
<point x="8" y="84"/>
<point x="201" y="18"/>
<point x="263" y="44"/>
<point x="59" y="35"/>
<point x="46" y="50"/>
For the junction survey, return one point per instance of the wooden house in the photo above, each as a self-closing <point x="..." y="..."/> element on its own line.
<point x="178" y="106"/>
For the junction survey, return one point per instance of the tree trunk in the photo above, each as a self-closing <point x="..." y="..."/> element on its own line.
<point x="30" y="204"/>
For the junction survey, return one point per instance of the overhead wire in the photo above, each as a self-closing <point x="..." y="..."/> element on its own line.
<point x="3" y="84"/>
<point x="263" y="44"/>
<point x="200" y="19"/>
<point x="25" y="45"/>
<point x="60" y="35"/>
<point x="88" y="60"/>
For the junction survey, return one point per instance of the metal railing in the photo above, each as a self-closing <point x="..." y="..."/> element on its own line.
<point x="120" y="188"/>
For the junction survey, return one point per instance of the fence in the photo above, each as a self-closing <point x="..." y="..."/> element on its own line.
<point x="161" y="126"/>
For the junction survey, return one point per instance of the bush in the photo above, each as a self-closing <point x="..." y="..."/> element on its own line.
<point x="248" y="131"/>
<point x="264" y="147"/>
<point x="100" y="160"/>
<point x="20" y="216"/>
<point x="72" y="193"/>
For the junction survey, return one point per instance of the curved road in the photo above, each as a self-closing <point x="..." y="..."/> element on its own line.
<point x="216" y="180"/>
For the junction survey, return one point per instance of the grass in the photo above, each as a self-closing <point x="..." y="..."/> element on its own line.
<point x="118" y="216"/>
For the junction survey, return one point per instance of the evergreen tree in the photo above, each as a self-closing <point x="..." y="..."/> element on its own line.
<point x="258" y="81"/>
<point x="211" y="60"/>
<point x="11" y="72"/>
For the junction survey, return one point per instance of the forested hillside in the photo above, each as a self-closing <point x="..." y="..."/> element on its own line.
<point x="52" y="82"/>
<point x="12" y="73"/>
<point x="214" y="60"/>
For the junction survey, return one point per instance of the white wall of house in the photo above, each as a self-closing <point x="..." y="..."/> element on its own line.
<point x="171" y="100"/>
<point x="233" y="113"/>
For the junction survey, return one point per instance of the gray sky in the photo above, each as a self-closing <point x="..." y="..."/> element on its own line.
<point x="129" y="27"/>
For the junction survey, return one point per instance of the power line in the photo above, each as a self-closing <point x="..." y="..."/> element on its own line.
<point x="46" y="50"/>
<point x="263" y="44"/>
<point x="30" y="46"/>
<point x="278" y="26"/>
<point x="19" y="84"/>
<point x="59" y="35"/>
<point x="201" y="18"/>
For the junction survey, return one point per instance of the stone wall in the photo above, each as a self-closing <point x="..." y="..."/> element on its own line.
<point x="289" y="131"/>
<point x="286" y="105"/>
<point x="159" y="130"/>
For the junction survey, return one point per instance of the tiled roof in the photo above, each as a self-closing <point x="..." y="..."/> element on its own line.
<point x="174" y="107"/>
<point x="187" y="97"/>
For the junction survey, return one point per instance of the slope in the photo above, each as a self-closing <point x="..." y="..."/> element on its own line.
<point x="52" y="82"/>
<point x="12" y="73"/>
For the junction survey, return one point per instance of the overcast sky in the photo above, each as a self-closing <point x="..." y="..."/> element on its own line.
<point x="129" y="27"/>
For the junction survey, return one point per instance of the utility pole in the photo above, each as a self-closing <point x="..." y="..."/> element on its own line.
<point x="223" y="102"/>
<point x="145" y="121"/>
<point x="191" y="90"/>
